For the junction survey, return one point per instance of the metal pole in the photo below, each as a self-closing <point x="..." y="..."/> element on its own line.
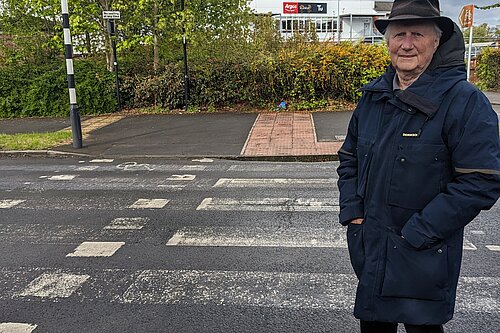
<point x="338" y="21"/>
<point x="112" y="32"/>
<point x="350" y="23"/>
<point x="470" y="52"/>
<point x="186" y="76"/>
<point x="76" y="126"/>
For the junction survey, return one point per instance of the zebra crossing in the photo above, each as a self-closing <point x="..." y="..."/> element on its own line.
<point x="218" y="189"/>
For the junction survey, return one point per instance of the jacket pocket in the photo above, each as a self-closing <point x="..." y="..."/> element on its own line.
<point x="417" y="175"/>
<point x="412" y="273"/>
<point x="356" y="247"/>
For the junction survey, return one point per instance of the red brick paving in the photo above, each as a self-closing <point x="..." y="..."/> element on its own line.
<point x="286" y="134"/>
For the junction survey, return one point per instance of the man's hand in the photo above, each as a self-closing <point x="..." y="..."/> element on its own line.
<point x="357" y="221"/>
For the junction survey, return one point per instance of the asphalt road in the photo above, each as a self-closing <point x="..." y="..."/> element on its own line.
<point x="194" y="246"/>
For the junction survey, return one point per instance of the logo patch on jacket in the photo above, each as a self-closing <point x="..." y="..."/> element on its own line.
<point x="412" y="135"/>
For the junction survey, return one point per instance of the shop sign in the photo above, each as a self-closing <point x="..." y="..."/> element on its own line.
<point x="304" y="8"/>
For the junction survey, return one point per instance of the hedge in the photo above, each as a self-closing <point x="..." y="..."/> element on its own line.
<point x="302" y="72"/>
<point x="488" y="69"/>
<point x="36" y="91"/>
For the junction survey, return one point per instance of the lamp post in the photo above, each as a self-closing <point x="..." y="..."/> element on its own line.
<point x="76" y="126"/>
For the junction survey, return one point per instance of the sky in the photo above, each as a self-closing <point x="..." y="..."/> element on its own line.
<point x="451" y="8"/>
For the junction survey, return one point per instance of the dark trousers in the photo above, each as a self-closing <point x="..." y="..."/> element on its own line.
<point x="380" y="327"/>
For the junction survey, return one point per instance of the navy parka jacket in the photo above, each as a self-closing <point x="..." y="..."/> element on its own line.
<point x="417" y="165"/>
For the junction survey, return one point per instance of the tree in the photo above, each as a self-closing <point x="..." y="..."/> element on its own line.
<point x="480" y="34"/>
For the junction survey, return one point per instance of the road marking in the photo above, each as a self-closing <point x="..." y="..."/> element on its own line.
<point x="134" y="166"/>
<point x="270" y="204"/>
<point x="54" y="285"/>
<point x="62" y="177"/>
<point x="479" y="294"/>
<point x="102" y="160"/>
<point x="245" y="288"/>
<point x="281" y="290"/>
<point x="16" y="328"/>
<point x="225" y="288"/>
<point x="171" y="186"/>
<point x="193" y="167"/>
<point x="468" y="245"/>
<point x="493" y="247"/>
<point x="477" y="232"/>
<point x="273" y="182"/>
<point x="259" y="237"/>
<point x="182" y="177"/>
<point x="149" y="203"/>
<point x="9" y="203"/>
<point x="203" y="160"/>
<point x="88" y="168"/>
<point x="127" y="223"/>
<point x="96" y="249"/>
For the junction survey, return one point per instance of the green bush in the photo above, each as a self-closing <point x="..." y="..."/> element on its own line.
<point x="297" y="72"/>
<point x="30" y="90"/>
<point x="488" y="69"/>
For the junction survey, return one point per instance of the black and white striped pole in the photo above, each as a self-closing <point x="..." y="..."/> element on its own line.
<point x="76" y="126"/>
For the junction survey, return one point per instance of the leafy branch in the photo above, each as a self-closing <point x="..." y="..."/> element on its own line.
<point x="495" y="5"/>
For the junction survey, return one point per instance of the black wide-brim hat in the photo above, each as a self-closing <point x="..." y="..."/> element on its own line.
<point x="417" y="11"/>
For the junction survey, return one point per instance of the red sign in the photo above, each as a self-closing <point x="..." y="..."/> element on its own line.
<point x="290" y="7"/>
<point x="466" y="17"/>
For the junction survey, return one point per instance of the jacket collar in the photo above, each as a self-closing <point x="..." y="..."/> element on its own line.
<point x="424" y="95"/>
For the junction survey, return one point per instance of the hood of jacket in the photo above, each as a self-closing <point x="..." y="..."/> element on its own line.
<point x="451" y="53"/>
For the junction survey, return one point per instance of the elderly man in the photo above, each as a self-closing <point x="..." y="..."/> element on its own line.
<point x="421" y="160"/>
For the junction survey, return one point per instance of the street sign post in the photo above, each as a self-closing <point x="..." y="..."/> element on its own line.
<point x="466" y="19"/>
<point x="110" y="16"/>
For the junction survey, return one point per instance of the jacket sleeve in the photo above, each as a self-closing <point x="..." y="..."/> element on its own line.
<point x="473" y="142"/>
<point x="351" y="205"/>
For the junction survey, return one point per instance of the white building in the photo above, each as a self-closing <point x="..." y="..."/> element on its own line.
<point x="354" y="17"/>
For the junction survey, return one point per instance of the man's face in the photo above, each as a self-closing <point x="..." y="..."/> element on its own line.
<point x="411" y="47"/>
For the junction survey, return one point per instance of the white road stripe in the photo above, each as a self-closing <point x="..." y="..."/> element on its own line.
<point x="182" y="177"/>
<point x="495" y="248"/>
<point x="270" y="204"/>
<point x="102" y="160"/>
<point x="9" y="203"/>
<point x="479" y="294"/>
<point x="96" y="249"/>
<point x="62" y="177"/>
<point x="88" y="168"/>
<point x="255" y="236"/>
<point x="149" y="203"/>
<point x="54" y="285"/>
<point x="203" y="160"/>
<point x="127" y="223"/>
<point x="243" y="288"/>
<point x="468" y="245"/>
<point x="193" y="167"/>
<point x="274" y="182"/>
<point x="16" y="328"/>
<point x="224" y="288"/>
<point x="269" y="237"/>
<point x="281" y="290"/>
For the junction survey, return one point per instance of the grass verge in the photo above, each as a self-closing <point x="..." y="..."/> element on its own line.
<point x="33" y="141"/>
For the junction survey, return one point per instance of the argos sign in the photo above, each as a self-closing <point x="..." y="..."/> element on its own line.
<point x="304" y="8"/>
<point x="290" y="7"/>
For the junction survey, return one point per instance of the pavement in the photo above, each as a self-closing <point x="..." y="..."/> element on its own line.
<point x="278" y="135"/>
